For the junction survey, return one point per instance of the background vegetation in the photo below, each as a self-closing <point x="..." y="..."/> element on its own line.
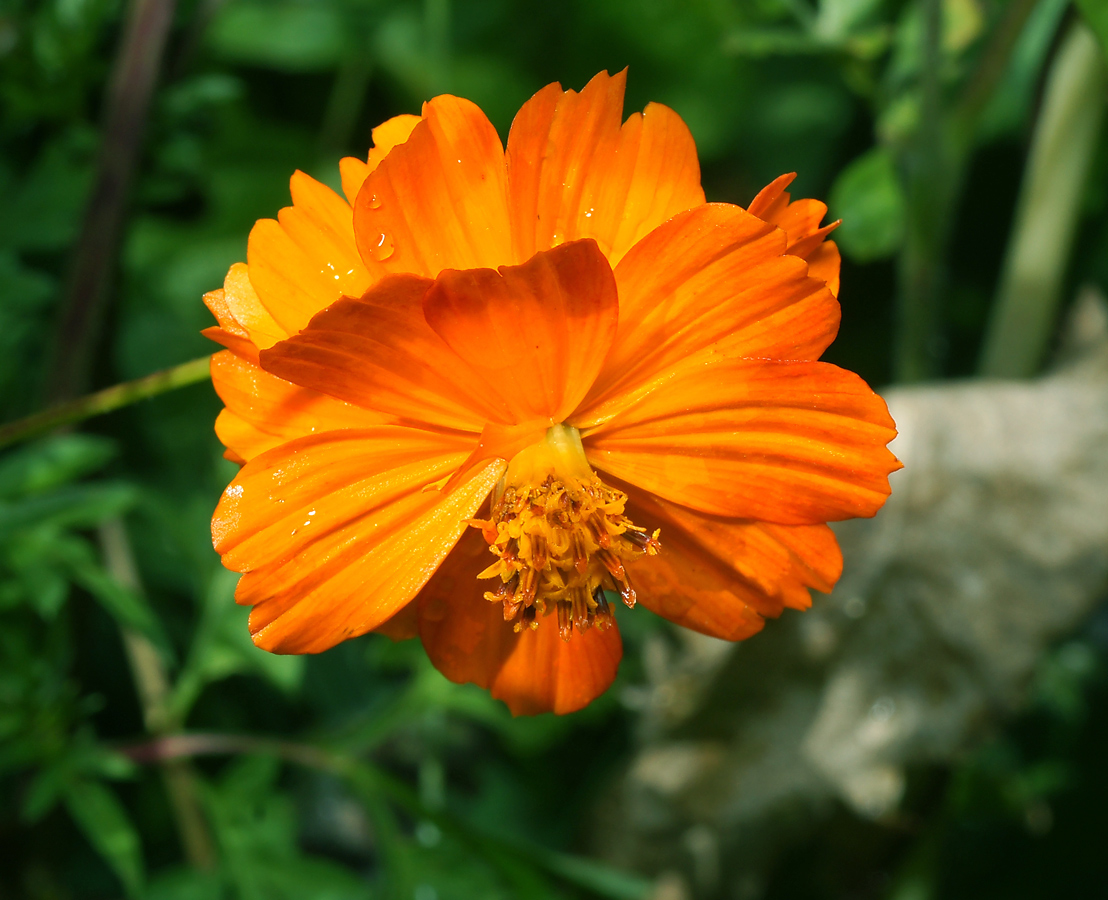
<point x="147" y="749"/>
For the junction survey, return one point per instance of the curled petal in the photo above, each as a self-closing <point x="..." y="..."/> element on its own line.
<point x="532" y="671"/>
<point x="335" y="533"/>
<point x="795" y="443"/>
<point x="379" y="353"/>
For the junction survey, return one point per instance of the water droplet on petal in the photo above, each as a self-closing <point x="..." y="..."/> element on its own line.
<point x="588" y="215"/>
<point x="382" y="248"/>
<point x="374" y="201"/>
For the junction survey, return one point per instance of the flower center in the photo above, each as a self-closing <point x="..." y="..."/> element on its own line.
<point x="560" y="538"/>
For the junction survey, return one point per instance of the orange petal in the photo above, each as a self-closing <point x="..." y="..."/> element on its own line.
<point x="244" y="324"/>
<point x="264" y="411"/>
<point x="243" y="304"/>
<point x="772" y="200"/>
<point x="721" y="576"/>
<point x="216" y="301"/>
<point x="800" y="221"/>
<point x="404" y="624"/>
<point x="717" y="280"/>
<point x="539" y="331"/>
<point x="306" y="260"/>
<point x="439" y="200"/>
<point x="574" y="172"/>
<point x="335" y="532"/>
<point x="390" y="133"/>
<point x="795" y="443"/>
<point x="468" y="640"/>
<point x="385" y="136"/>
<point x="824" y="263"/>
<point x="238" y="345"/>
<point x="379" y="353"/>
<point x="353" y="173"/>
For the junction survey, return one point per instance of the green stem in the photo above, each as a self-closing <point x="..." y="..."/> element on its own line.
<point x="105" y="401"/>
<point x="152" y="687"/>
<point x="934" y="167"/>
<point x="1050" y="202"/>
<point x="371" y="784"/>
<point x="930" y="176"/>
<point x="130" y="90"/>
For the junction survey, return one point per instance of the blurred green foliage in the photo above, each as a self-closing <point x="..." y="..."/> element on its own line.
<point x="362" y="773"/>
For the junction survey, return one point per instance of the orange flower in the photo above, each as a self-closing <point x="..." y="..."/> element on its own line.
<point x="498" y="388"/>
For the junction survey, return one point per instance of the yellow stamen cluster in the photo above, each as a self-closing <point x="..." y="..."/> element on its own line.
<point x="560" y="538"/>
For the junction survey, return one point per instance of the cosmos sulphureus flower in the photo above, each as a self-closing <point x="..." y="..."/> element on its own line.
<point x="494" y="391"/>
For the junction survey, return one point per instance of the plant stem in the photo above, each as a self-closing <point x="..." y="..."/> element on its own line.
<point x="371" y="784"/>
<point x="1049" y="208"/>
<point x="930" y="175"/>
<point x="152" y="686"/>
<point x="134" y="74"/>
<point x="934" y="169"/>
<point x="105" y="401"/>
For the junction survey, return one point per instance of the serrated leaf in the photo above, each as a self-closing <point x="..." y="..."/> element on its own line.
<point x="106" y="825"/>
<point x="82" y="760"/>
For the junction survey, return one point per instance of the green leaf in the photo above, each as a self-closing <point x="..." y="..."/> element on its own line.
<point x="1096" y="14"/>
<point x="222" y="647"/>
<point x="50" y="463"/>
<point x="867" y="196"/>
<point x="82" y="759"/>
<point x="81" y="506"/>
<point x="42" y="208"/>
<point x="128" y="608"/>
<point x="289" y="36"/>
<point x="106" y="825"/>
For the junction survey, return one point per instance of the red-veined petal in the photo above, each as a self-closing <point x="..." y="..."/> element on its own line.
<point x="796" y="443"/>
<point x="538" y="331"/>
<point x="379" y="353"/>
<point x="264" y="411"/>
<point x="716" y="280"/>
<point x="721" y="576"/>
<point x="335" y="533"/>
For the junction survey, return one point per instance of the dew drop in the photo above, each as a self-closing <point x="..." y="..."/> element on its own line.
<point x="588" y="215"/>
<point x="293" y="533"/>
<point x="374" y="201"/>
<point x="382" y="248"/>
